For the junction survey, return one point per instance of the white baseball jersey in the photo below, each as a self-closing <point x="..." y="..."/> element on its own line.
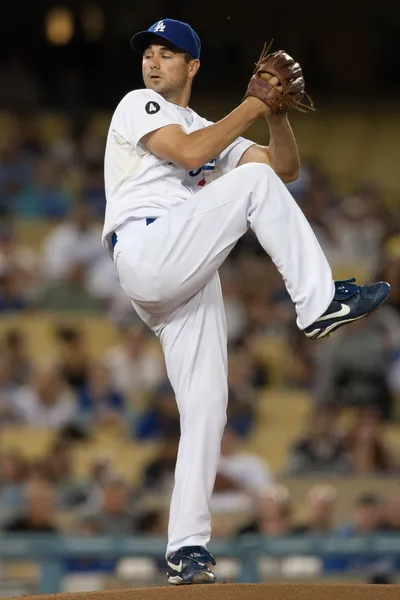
<point x="139" y="184"/>
<point x="169" y="270"/>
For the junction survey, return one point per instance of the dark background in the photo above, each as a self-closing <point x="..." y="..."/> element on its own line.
<point x="347" y="49"/>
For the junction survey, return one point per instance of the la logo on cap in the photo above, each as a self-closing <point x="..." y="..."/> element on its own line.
<point x="160" y="26"/>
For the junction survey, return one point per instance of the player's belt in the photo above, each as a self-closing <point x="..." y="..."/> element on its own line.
<point x="114" y="238"/>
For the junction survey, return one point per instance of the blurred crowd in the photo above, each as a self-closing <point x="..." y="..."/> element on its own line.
<point x="72" y="393"/>
<point x="38" y="495"/>
<point x="61" y="182"/>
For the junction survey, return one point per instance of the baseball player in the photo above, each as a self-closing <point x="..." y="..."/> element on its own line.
<point x="181" y="191"/>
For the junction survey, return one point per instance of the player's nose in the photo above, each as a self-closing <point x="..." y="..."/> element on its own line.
<point x="154" y="64"/>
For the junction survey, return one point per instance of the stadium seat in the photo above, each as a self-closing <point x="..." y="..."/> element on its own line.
<point x="39" y="330"/>
<point x="31" y="232"/>
<point x="33" y="443"/>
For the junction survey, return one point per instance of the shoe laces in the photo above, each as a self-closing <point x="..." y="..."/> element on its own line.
<point x="341" y="285"/>
<point x="201" y="554"/>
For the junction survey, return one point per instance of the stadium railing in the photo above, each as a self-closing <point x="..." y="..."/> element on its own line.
<point x="51" y="551"/>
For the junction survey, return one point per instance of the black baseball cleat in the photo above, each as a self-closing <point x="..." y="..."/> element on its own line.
<point x="350" y="303"/>
<point x="189" y="565"/>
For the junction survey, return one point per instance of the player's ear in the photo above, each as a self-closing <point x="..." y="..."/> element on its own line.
<point x="194" y="66"/>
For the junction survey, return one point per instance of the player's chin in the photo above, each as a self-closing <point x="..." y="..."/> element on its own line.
<point x="155" y="84"/>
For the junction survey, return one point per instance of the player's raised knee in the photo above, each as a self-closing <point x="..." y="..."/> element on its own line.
<point x="255" y="170"/>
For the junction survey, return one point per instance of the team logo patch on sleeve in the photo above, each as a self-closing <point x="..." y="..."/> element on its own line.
<point x="152" y="108"/>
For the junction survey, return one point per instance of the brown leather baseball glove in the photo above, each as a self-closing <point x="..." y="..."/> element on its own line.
<point x="285" y="94"/>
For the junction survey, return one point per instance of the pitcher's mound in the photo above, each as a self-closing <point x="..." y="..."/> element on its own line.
<point x="231" y="591"/>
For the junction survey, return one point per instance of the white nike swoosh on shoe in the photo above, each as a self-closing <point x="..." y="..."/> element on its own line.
<point x="177" y="568"/>
<point x="340" y="313"/>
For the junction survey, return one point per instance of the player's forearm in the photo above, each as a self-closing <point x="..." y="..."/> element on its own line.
<point x="205" y="144"/>
<point x="282" y="148"/>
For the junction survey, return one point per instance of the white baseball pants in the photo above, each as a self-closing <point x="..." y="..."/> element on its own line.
<point x="170" y="271"/>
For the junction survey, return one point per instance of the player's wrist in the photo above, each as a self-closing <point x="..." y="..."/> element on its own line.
<point x="271" y="118"/>
<point x="257" y="106"/>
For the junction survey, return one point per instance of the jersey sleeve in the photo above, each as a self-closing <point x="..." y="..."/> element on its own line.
<point x="141" y="112"/>
<point x="229" y="158"/>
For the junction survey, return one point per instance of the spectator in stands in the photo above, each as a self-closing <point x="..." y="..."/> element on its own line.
<point x="7" y="394"/>
<point x="274" y="514"/>
<point x="320" y="204"/>
<point x="161" y="418"/>
<point x="43" y="198"/>
<point x="98" y="402"/>
<point x="320" y="511"/>
<point x="102" y="283"/>
<point x="13" y="470"/>
<point x="242" y="477"/>
<point x="39" y="473"/>
<point x="38" y="516"/>
<point x="61" y="467"/>
<point x="299" y="366"/>
<point x="391" y="513"/>
<point x="15" y="170"/>
<point x="16" y="360"/>
<point x="76" y="241"/>
<point x="159" y="472"/>
<point x="246" y="470"/>
<point x="235" y="310"/>
<point x="137" y="367"/>
<point x="368" y="516"/>
<point x="247" y="354"/>
<point x="367" y="448"/>
<point x="354" y="369"/>
<point x="13" y="467"/>
<point x="322" y="449"/>
<point x="389" y="266"/>
<point x="263" y="291"/>
<point x="152" y="522"/>
<point x="11" y="296"/>
<point x="72" y="356"/>
<point x="112" y="516"/>
<point x="100" y="472"/>
<point x="47" y="402"/>
<point x="93" y="188"/>
<point x="240" y="412"/>
<point x="363" y="224"/>
<point x="19" y="261"/>
<point x="69" y="293"/>
<point x="62" y="151"/>
<point x="244" y="377"/>
<point x="115" y="516"/>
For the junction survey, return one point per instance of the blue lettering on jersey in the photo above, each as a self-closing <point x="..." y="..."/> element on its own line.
<point x="210" y="166"/>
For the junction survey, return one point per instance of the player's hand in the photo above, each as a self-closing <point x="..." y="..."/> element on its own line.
<point x="274" y="81"/>
<point x="278" y="81"/>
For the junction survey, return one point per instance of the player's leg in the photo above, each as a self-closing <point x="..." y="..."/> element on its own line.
<point x="164" y="264"/>
<point x="194" y="343"/>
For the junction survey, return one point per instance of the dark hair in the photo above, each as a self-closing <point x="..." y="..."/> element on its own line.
<point x="188" y="57"/>
<point x="13" y="338"/>
<point x="369" y="499"/>
<point x="67" y="334"/>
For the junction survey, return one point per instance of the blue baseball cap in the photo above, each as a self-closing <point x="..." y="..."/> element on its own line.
<point x="177" y="33"/>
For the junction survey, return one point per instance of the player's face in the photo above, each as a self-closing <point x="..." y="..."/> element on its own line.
<point x="166" y="71"/>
